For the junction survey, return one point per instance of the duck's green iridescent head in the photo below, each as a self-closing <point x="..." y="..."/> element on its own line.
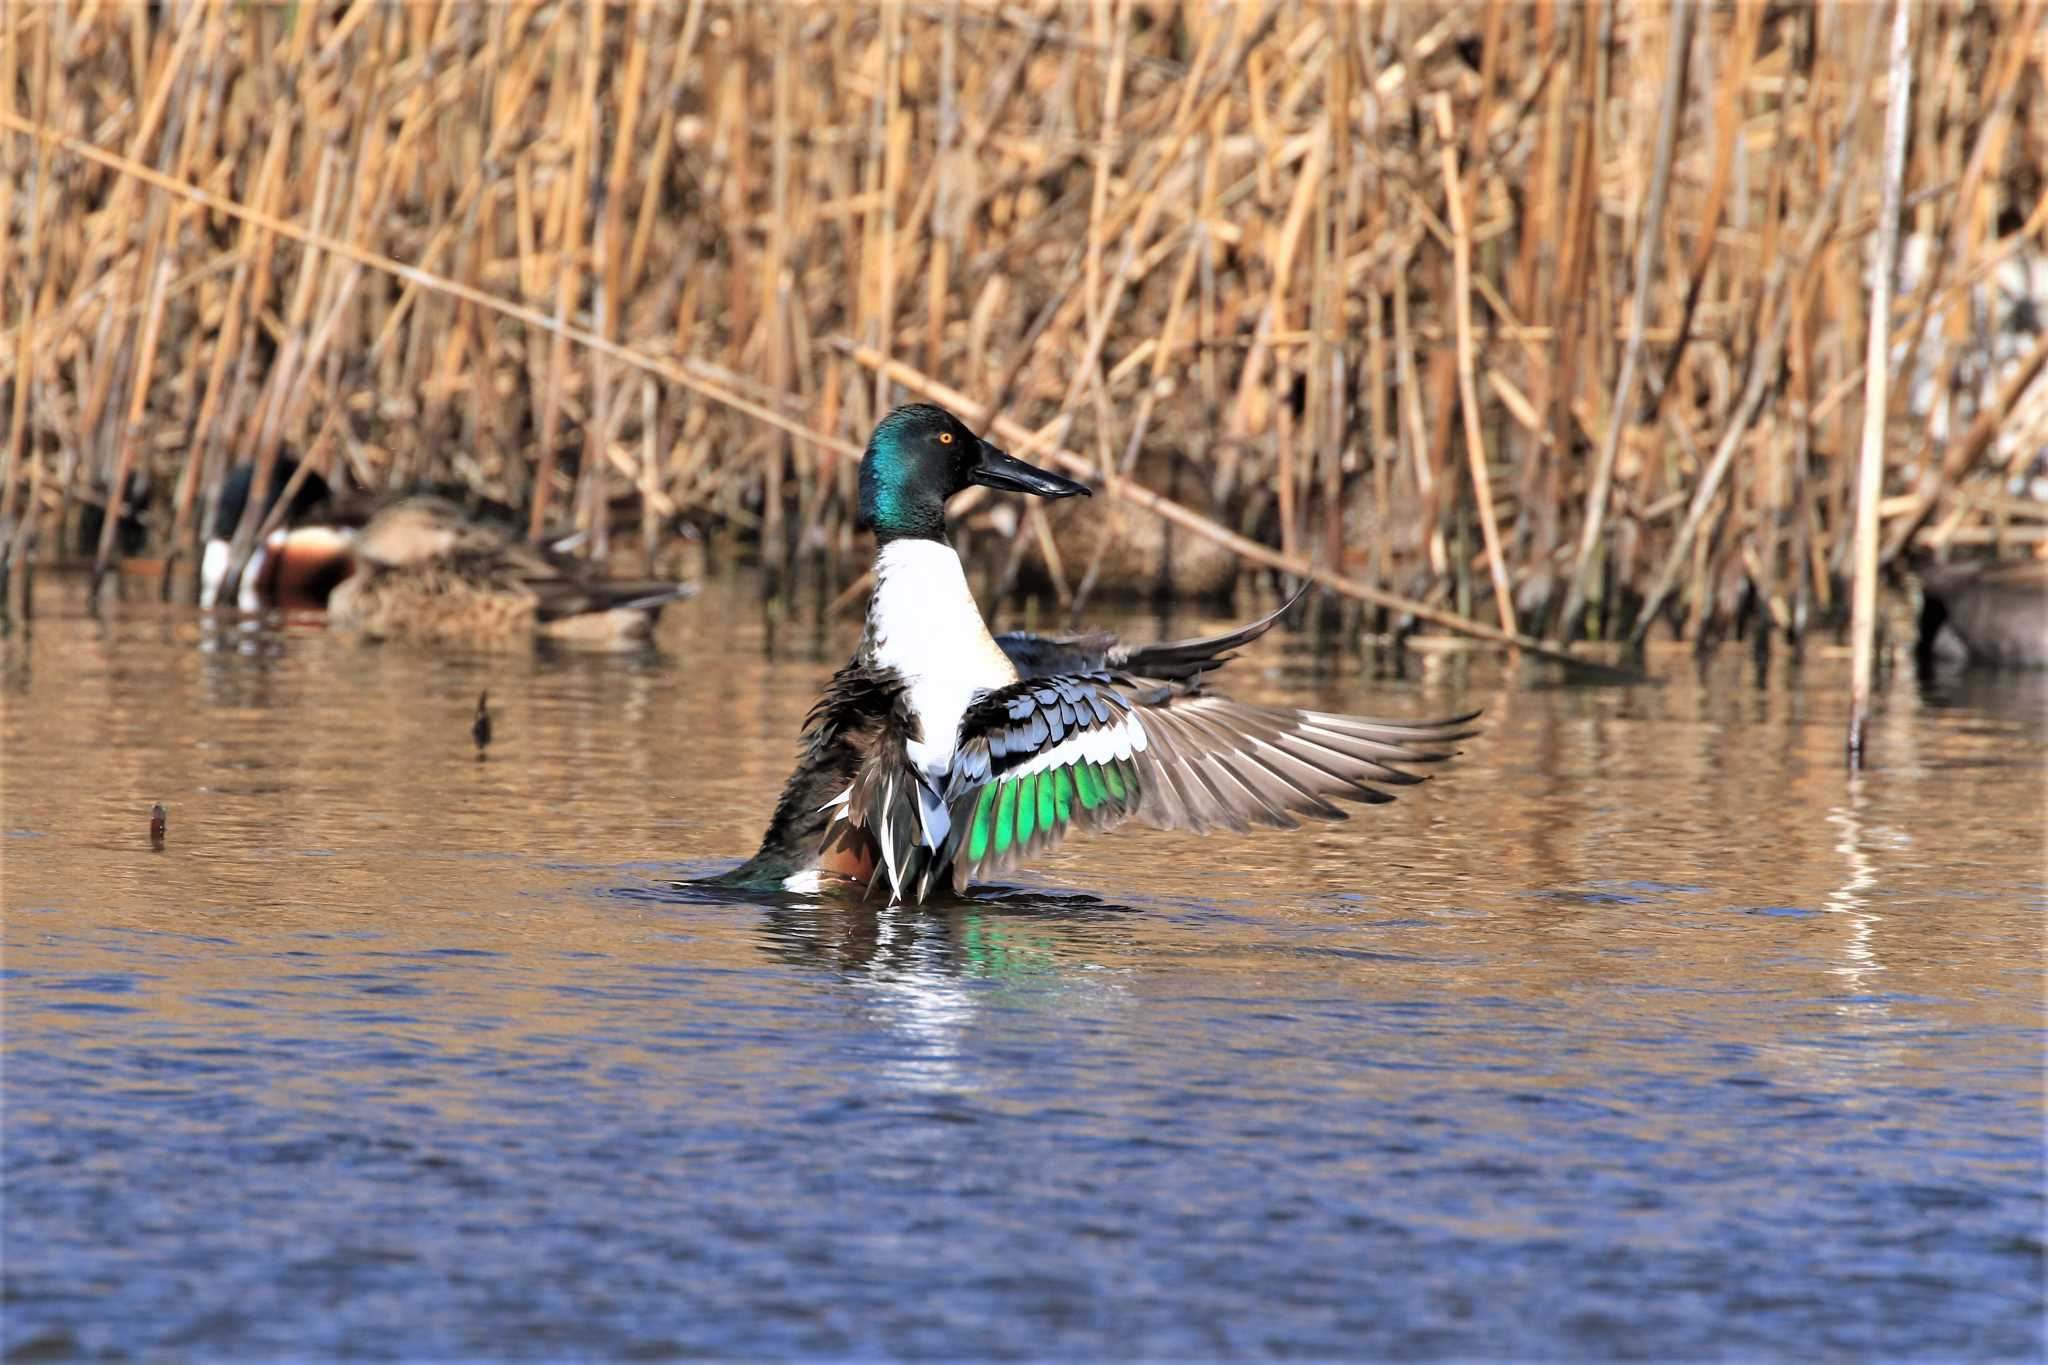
<point x="920" y="456"/>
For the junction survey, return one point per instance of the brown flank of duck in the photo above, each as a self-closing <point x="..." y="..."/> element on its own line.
<point x="427" y="572"/>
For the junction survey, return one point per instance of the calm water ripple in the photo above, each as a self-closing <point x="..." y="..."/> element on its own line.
<point x="1646" y="1030"/>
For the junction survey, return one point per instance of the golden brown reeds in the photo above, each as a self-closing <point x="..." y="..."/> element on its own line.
<point x="1549" y="315"/>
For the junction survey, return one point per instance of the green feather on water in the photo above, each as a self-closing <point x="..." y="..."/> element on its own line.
<point x="1090" y="785"/>
<point x="1063" y="794"/>
<point x="1027" y="808"/>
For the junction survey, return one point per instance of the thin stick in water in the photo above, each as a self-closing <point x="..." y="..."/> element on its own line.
<point x="1870" y="473"/>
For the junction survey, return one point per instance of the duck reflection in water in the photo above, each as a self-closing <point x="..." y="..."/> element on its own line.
<point x="1002" y="933"/>
<point x="1005" y="934"/>
<point x="929" y="975"/>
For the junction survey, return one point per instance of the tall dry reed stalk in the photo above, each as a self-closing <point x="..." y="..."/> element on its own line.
<point x="1548" y="315"/>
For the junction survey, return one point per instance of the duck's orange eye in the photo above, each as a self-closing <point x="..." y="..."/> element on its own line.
<point x="945" y="438"/>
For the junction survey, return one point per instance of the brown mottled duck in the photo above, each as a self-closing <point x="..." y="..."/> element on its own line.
<point x="429" y="573"/>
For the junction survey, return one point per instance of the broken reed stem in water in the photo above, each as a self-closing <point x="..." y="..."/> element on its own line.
<point x="1213" y="248"/>
<point x="1870" y="473"/>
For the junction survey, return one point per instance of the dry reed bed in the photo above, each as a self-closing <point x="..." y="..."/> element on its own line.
<point x="1352" y="282"/>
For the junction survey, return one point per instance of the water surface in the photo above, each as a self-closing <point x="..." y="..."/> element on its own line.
<point x="1646" y="1029"/>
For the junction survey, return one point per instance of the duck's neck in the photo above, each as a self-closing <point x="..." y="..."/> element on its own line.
<point x="923" y="623"/>
<point x="922" y="619"/>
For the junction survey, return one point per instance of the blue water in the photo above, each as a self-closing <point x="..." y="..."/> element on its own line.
<point x="1645" y="1030"/>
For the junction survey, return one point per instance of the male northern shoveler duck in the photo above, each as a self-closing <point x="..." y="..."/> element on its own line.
<point x="427" y="571"/>
<point x="297" y="565"/>
<point x="941" y="752"/>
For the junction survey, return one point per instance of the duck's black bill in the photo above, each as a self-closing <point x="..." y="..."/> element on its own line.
<point x="1000" y="470"/>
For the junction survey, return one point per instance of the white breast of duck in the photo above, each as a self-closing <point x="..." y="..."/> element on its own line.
<point x="923" y="622"/>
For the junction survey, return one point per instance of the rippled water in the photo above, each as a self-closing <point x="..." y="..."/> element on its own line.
<point x="1646" y="1029"/>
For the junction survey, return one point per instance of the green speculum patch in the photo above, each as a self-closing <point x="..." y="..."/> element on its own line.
<point x="1006" y="814"/>
<point x="977" y="834"/>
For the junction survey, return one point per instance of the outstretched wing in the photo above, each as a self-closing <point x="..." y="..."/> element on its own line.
<point x="1048" y="656"/>
<point x="1083" y="751"/>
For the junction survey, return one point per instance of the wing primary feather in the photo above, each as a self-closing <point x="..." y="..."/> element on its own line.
<point x="1310" y="781"/>
<point x="1170" y="805"/>
<point x="1268" y="731"/>
<point x="1341" y="770"/>
<point x="1447" y="731"/>
<point x="1215" y="787"/>
<point x="1237" y="794"/>
<point x="1371" y="751"/>
<point x="1276" y="788"/>
<point x="1350" y="767"/>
